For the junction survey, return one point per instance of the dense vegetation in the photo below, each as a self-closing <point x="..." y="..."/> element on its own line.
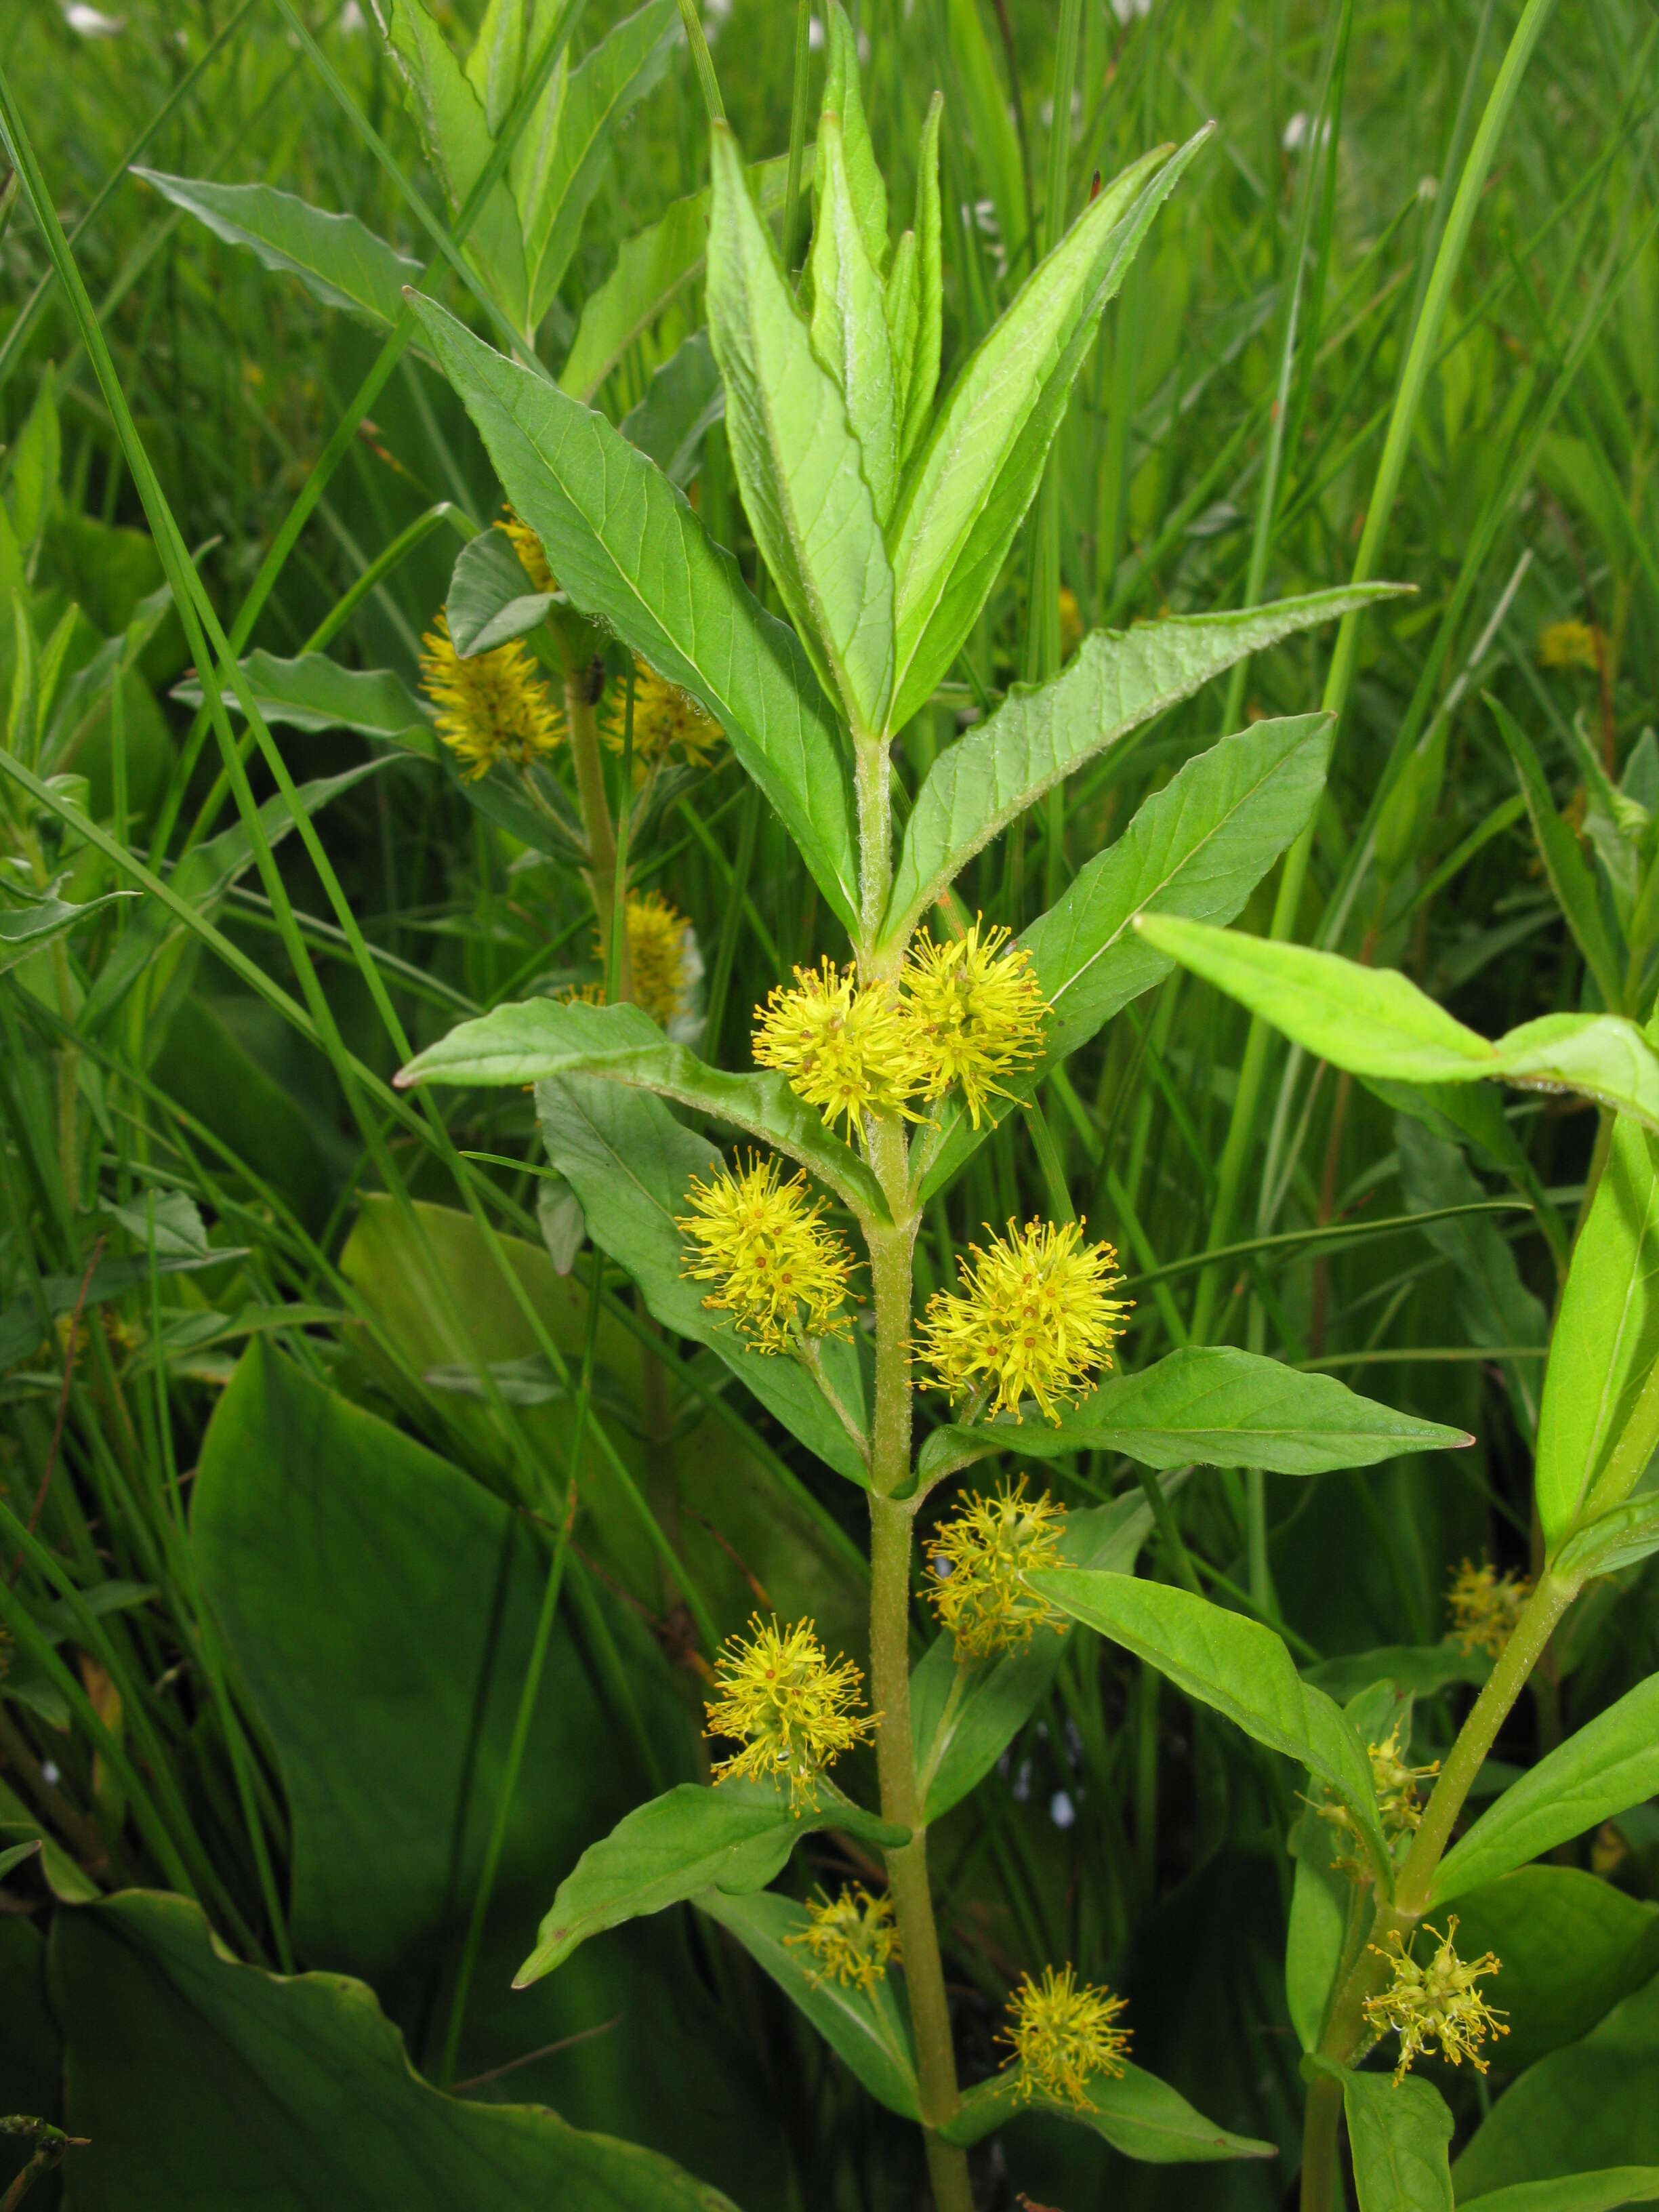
<point x="412" y="944"/>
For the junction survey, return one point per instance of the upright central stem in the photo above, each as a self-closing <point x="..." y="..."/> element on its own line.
<point x="875" y="802"/>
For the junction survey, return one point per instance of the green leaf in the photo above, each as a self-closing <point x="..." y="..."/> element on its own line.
<point x="630" y="1163"/>
<point x="338" y="261"/>
<point x="1622" y="1538"/>
<point x="450" y="118"/>
<point x="1610" y="1764"/>
<point x="797" y="460"/>
<point x="1606" y="1340"/>
<point x="491" y="599"/>
<point x="1374" y="1021"/>
<point x="682" y="402"/>
<point x="525" y="1042"/>
<point x="627" y="549"/>
<point x="197" y="2080"/>
<point x="849" y="331"/>
<point x="652" y="270"/>
<point x="1416" y="1670"/>
<point x="1214" y="1403"/>
<point x="919" y="382"/>
<point x="736" y="1836"/>
<point x="968" y="489"/>
<point x="312" y="692"/>
<point x="1116" y="680"/>
<point x="1399" y="2133"/>
<point x="1594" y="2104"/>
<point x="1321" y="1897"/>
<point x="1198" y="847"/>
<point x="1570" y="879"/>
<point x="558" y="165"/>
<point x="963" y="1718"/>
<point x="843" y="98"/>
<point x="24" y="930"/>
<point x="36" y="462"/>
<point x="869" y="2029"/>
<point x="16" y="1855"/>
<point x="1137" y="2113"/>
<point x="1237" y="1665"/>
<point x="495" y="64"/>
<point x="1574" y="2193"/>
<point x="1573" y="1947"/>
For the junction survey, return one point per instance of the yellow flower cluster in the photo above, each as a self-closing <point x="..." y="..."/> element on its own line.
<point x="1486" y="1605"/>
<point x="662" y="951"/>
<point x="852" y="1938"/>
<point x="968" y="1013"/>
<point x="980" y="1558"/>
<point x="1034" y="1319"/>
<point x="1399" y="1806"/>
<point x="1571" y="645"/>
<point x="787" y="1704"/>
<point x="532" y="554"/>
<point x="781" y="1274"/>
<point x="1062" y="2032"/>
<point x="665" y="720"/>
<point x="1437" y="2003"/>
<point x="492" y="707"/>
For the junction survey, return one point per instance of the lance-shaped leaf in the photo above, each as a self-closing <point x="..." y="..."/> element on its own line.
<point x="630" y="1164"/>
<point x="1237" y="1665"/>
<point x="1139" y="2114"/>
<point x="1399" y="2133"/>
<point x="1116" y="680"/>
<point x="1198" y="847"/>
<point x="456" y="134"/>
<point x="682" y="402"/>
<point x="491" y="598"/>
<point x="627" y="548"/>
<point x="338" y="259"/>
<point x="844" y="97"/>
<point x="1622" y="1538"/>
<point x="1374" y="1021"/>
<point x="868" y="2028"/>
<point x="1606" y="1340"/>
<point x="312" y="692"/>
<point x="920" y="378"/>
<point x="1602" y="2192"/>
<point x="963" y="1717"/>
<point x="536" y="1038"/>
<point x="557" y="164"/>
<point x="1214" y="1404"/>
<point x="849" y="331"/>
<point x="654" y="269"/>
<point x="736" y="1836"/>
<point x="798" y="462"/>
<point x="1610" y="1764"/>
<point x="968" y="488"/>
<point x="25" y="929"/>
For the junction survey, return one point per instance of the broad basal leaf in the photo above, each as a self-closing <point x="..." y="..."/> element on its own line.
<point x="1198" y="847"/>
<point x="1235" y="1664"/>
<point x="1116" y="680"/>
<point x="1610" y="1764"/>
<point x="868" y="2028"/>
<point x="797" y="460"/>
<point x="1606" y="1340"/>
<point x="966" y="492"/>
<point x="735" y="1836"/>
<point x="627" y="548"/>
<point x="1374" y="1021"/>
<point x="630" y="1164"/>
<point x="1137" y="2114"/>
<point x="335" y="257"/>
<point x="540" y="1037"/>
<point x="1216" y="1405"/>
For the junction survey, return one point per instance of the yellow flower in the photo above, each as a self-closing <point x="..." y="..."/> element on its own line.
<point x="1071" y="623"/>
<point x="1437" y="2003"/>
<point x="664" y="954"/>
<point x="787" y="1704"/>
<point x="852" y="1938"/>
<point x="1571" y="645"/>
<point x="1033" y="1319"/>
<point x="494" y="707"/>
<point x="1061" y="2033"/>
<point x="848" y="1050"/>
<point x="532" y="554"/>
<point x="666" y="720"/>
<point x="980" y="1557"/>
<point x="782" y="1274"/>
<point x="1398" y="1804"/>
<point x="979" y="1013"/>
<point x="1486" y="1605"/>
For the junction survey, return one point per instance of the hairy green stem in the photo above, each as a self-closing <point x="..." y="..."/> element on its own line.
<point x="875" y="805"/>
